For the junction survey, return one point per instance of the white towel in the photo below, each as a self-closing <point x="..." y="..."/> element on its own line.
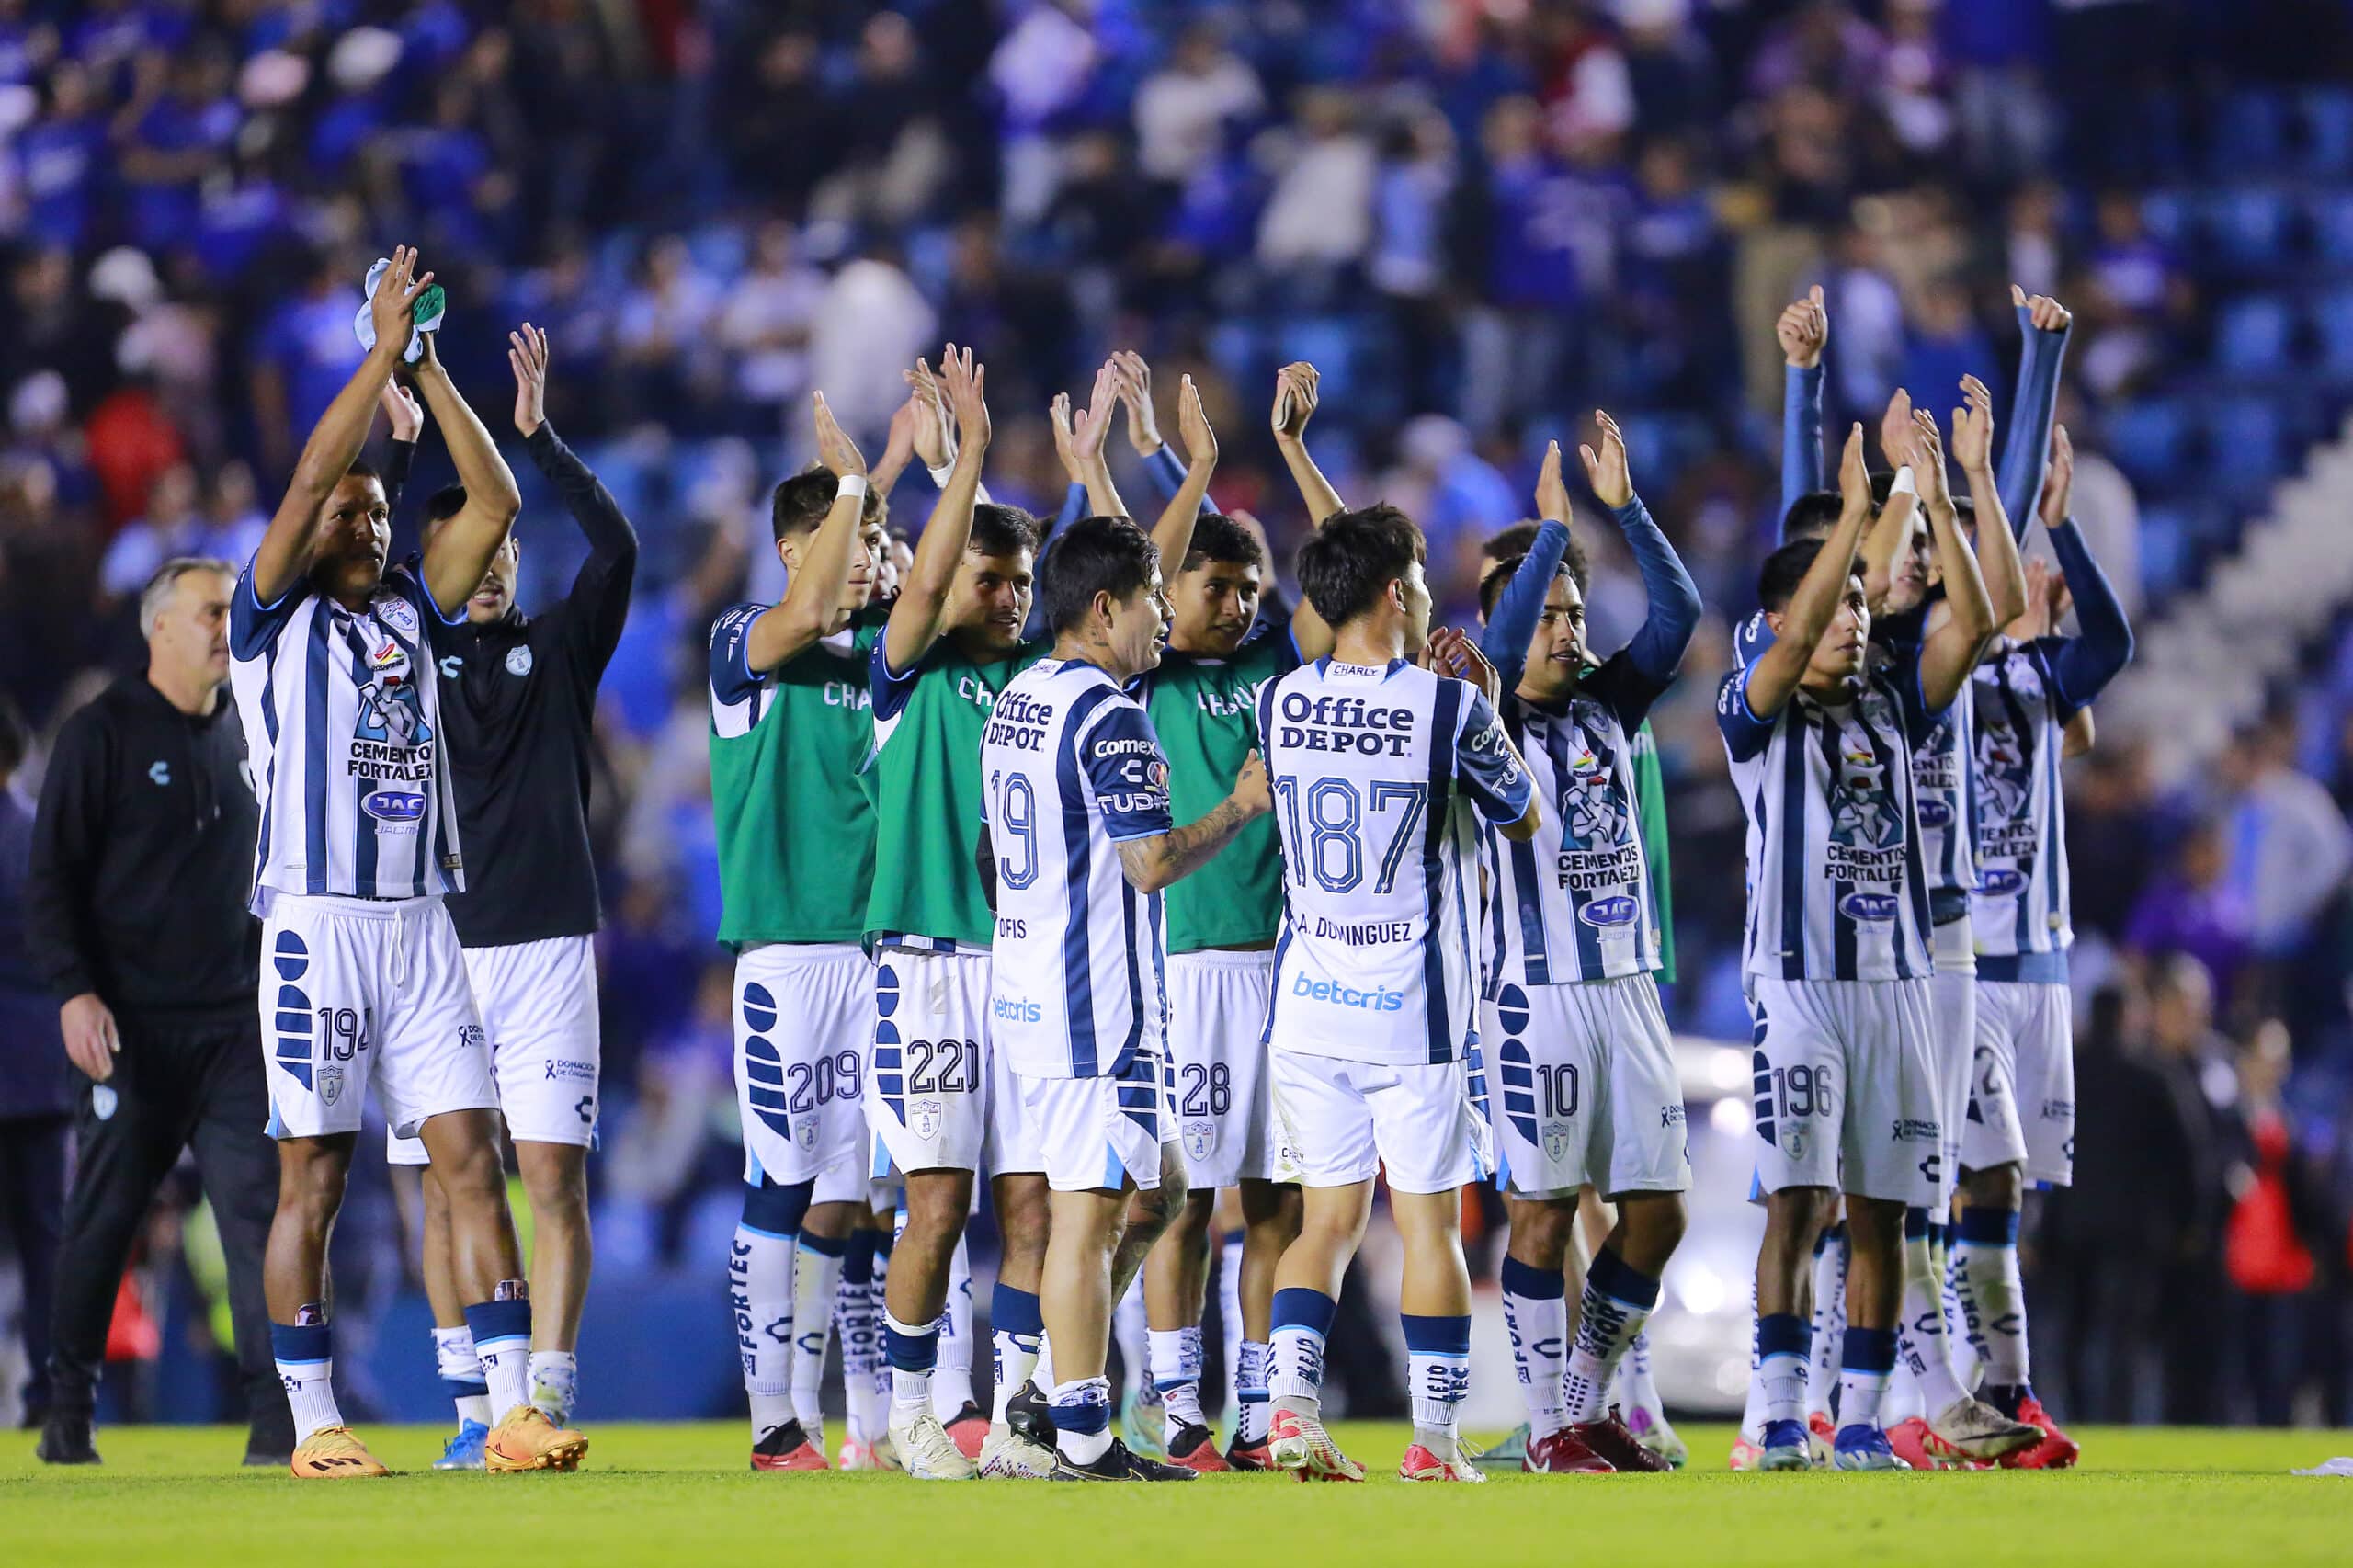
<point x="364" y="323"/>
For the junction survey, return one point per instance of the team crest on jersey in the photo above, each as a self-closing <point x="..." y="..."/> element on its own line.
<point x="1556" y="1140"/>
<point x="924" y="1119"/>
<point x="1201" y="1138"/>
<point x="1862" y="816"/>
<point x="518" y="659"/>
<point x="804" y="1134"/>
<point x="2002" y="769"/>
<point x="1793" y="1140"/>
<point x="397" y="613"/>
<point x="330" y="1085"/>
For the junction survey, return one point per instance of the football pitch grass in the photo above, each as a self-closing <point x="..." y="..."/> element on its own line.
<point x="682" y="1495"/>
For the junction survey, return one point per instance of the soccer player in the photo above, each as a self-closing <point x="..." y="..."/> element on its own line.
<point x="1819" y="738"/>
<point x="2022" y="1112"/>
<point x="1202" y="700"/>
<point x="1079" y="843"/>
<point x="1380" y="766"/>
<point x="1571" y="1022"/>
<point x="518" y="700"/>
<point x="364" y="984"/>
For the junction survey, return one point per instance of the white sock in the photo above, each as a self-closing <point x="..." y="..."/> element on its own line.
<point x="879" y="1386"/>
<point x="1131" y="1334"/>
<point x="1043" y="1374"/>
<point x="1829" y="1322"/>
<point x="1016" y="1333"/>
<point x="759" y="1288"/>
<point x="1752" y="1413"/>
<point x="555" y="1382"/>
<point x="816" y="1280"/>
<point x="910" y="1390"/>
<point x="951" y="1386"/>
<point x="1615" y="1304"/>
<point x="1995" y="1300"/>
<point x="1638" y="1390"/>
<point x="1922" y="1357"/>
<point x="1083" y="1419"/>
<point x="1176" y="1364"/>
<point x="1253" y="1405"/>
<point x="1298" y="1376"/>
<point x="1437" y="1378"/>
<point x="861" y="1332"/>
<point x="1865" y="1362"/>
<point x="1958" y="1343"/>
<point x="1536" y="1312"/>
<point x="1783" y="1352"/>
<point x="460" y="1369"/>
<point x="305" y="1357"/>
<point x="1229" y="1314"/>
<point x="502" y="1331"/>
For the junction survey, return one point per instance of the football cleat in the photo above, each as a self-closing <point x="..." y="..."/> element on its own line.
<point x="969" y="1429"/>
<point x="1650" y="1429"/>
<point x="1119" y="1462"/>
<point x="1420" y="1464"/>
<point x="1865" y="1448"/>
<point x="1509" y="1454"/>
<point x="1244" y="1456"/>
<point x="1298" y="1443"/>
<point x="1195" y="1448"/>
<point x="925" y="1450"/>
<point x="1610" y="1438"/>
<point x="1140" y="1419"/>
<point x="1784" y="1447"/>
<point x="525" y="1439"/>
<point x="2055" y="1451"/>
<point x="1564" y="1453"/>
<point x="1029" y="1414"/>
<point x="464" y="1451"/>
<point x="1972" y="1429"/>
<point x="787" y="1448"/>
<point x="876" y="1454"/>
<point x="1821" y="1438"/>
<point x="1009" y="1455"/>
<point x="333" y="1453"/>
<point x="66" y="1439"/>
<point x="1917" y="1447"/>
<point x="1746" y="1452"/>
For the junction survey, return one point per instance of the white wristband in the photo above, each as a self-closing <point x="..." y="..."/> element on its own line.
<point x="1905" y="483"/>
<point x="851" y="484"/>
<point x="940" y="474"/>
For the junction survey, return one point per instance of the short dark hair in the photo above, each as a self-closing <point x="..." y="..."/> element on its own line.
<point x="443" y="505"/>
<point x="1811" y="515"/>
<point x="799" y="503"/>
<point x="1217" y="536"/>
<point x="1777" y="582"/>
<point x="1355" y="555"/>
<point x="1094" y="555"/>
<point x="362" y="468"/>
<point x="15" y="739"/>
<point x="1000" y="530"/>
<point x="1514" y="541"/>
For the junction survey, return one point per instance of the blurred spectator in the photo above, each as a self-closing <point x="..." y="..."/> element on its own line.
<point x="35" y="1102"/>
<point x="2197" y="1062"/>
<point x="2265" y="1245"/>
<point x="1320" y="213"/>
<point x="1183" y="110"/>
<point x="2289" y="846"/>
<point x="765" y="323"/>
<point x="2194" y="910"/>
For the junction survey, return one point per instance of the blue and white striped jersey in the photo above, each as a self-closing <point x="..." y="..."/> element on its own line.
<point x="1071" y="769"/>
<point x="343" y="721"/>
<point x="1378" y="776"/>
<point x="2019" y="910"/>
<point x="1837" y="889"/>
<point x="1574" y="903"/>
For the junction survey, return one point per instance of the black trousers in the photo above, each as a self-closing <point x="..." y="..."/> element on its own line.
<point x="172" y="1089"/>
<point x="32" y="1201"/>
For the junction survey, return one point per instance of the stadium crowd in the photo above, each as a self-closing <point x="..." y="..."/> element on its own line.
<point x="1472" y="218"/>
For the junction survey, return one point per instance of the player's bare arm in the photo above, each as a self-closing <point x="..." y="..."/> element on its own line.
<point x="1296" y="390"/>
<point x="1891" y="535"/>
<point x="1173" y="532"/>
<point x="1774" y="678"/>
<point x="1953" y="649"/>
<point x="812" y="606"/>
<point x="898" y="448"/>
<point x="921" y="612"/>
<point x="284" y="554"/>
<point x="1134" y="376"/>
<point x="460" y="550"/>
<point x="1151" y="864"/>
<point x="1998" y="546"/>
<point x="1090" y="427"/>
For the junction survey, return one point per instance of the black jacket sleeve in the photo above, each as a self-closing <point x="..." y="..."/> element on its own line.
<point x="397" y="464"/>
<point x="69" y="830"/>
<point x="598" y="603"/>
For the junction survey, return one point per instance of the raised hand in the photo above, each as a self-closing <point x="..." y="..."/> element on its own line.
<point x="401" y="407"/>
<point x="965" y="384"/>
<point x="1066" y="446"/>
<point x="1803" y="330"/>
<point x="835" y="450"/>
<point x="1928" y="460"/>
<point x="2043" y="312"/>
<point x="1089" y="428"/>
<point x="898" y="446"/>
<point x="2035" y="622"/>
<point x="1551" y="493"/>
<point x="1295" y="396"/>
<point x="1895" y="429"/>
<point x="1973" y="428"/>
<point x="527" y="356"/>
<point x="395" y="296"/>
<point x="1193" y="425"/>
<point x="1854" y="476"/>
<point x="935" y="442"/>
<point x="1606" y="471"/>
<point x="1134" y="378"/>
<point x="2058" y="478"/>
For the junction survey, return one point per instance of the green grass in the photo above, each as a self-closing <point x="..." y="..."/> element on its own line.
<point x="680" y="1494"/>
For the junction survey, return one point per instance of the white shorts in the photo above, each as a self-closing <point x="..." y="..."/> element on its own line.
<point x="1094" y="1132"/>
<point x="2023" y="1105"/>
<point x="537" y="1004"/>
<point x="1952" y="1017"/>
<point x="1222" y="1097"/>
<point x="1585" y="1080"/>
<point x="941" y="1097"/>
<point x="1344" y="1121"/>
<point x="802" y="1014"/>
<point x="1846" y="1086"/>
<point x="358" y="992"/>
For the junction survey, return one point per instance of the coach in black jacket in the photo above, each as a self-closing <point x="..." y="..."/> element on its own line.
<point x="142" y="864"/>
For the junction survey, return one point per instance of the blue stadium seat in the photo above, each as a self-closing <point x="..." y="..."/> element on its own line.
<point x="2250" y="225"/>
<point x="2249" y="133"/>
<point x="2167" y="214"/>
<point x="2330" y="213"/>
<point x="2327" y="113"/>
<point x="2165" y="551"/>
<point x="2335" y="317"/>
<point x="2252" y="334"/>
<point x="2147" y="438"/>
<point x="2245" y="442"/>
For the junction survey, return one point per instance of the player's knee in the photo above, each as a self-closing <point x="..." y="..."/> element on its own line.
<point x="1654" y="1222"/>
<point x="2001" y="1187"/>
<point x="1193" y="1217"/>
<point x="778" y="1209"/>
<point x="1541" y="1232"/>
<point x="558" y="1192"/>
